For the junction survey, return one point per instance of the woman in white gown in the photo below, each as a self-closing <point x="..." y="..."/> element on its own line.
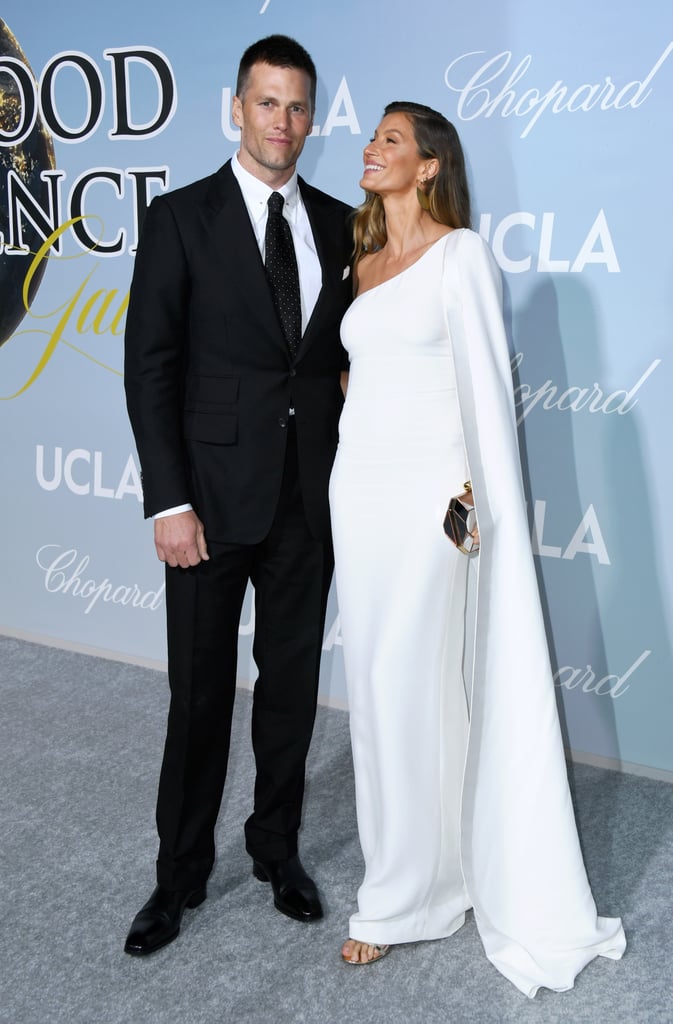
<point x="461" y="785"/>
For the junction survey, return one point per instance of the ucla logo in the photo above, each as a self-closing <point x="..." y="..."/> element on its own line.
<point x="81" y="472"/>
<point x="587" y="537"/>
<point x="529" y="229"/>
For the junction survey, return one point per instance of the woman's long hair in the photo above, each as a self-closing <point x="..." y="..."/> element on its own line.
<point x="447" y="193"/>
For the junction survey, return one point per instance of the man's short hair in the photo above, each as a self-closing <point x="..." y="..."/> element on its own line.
<point x="281" y="52"/>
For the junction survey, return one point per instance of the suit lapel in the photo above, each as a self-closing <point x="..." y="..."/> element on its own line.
<point x="327" y="236"/>
<point x="235" y="242"/>
<point x="239" y="258"/>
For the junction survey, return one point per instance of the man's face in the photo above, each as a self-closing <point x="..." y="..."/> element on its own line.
<point x="275" y="116"/>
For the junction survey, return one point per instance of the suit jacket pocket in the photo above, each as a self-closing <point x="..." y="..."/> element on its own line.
<point x="208" y="415"/>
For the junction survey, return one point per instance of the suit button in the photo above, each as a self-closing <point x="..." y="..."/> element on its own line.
<point x="293" y="372"/>
<point x="282" y="421"/>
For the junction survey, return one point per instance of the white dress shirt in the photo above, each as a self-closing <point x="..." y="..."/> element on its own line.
<point x="256" y="196"/>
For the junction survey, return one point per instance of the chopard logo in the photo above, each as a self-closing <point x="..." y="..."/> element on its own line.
<point x="585" y="679"/>
<point x="492" y="87"/>
<point x="574" y="398"/>
<point x="65" y="573"/>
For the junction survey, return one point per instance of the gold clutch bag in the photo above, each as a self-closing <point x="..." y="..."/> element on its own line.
<point x="459" y="522"/>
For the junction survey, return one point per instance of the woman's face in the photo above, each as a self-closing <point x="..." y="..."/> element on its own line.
<point x="392" y="163"/>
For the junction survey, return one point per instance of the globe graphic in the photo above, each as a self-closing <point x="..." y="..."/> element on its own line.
<point x="27" y="160"/>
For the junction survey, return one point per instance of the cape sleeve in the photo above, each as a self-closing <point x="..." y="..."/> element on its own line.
<point x="473" y="290"/>
<point x="520" y="852"/>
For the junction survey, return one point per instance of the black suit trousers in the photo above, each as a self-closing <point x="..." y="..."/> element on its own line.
<point x="290" y="571"/>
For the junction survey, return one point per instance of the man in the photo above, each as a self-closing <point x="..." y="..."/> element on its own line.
<point x="232" y="374"/>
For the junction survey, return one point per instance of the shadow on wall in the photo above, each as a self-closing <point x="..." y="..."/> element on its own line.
<point x="601" y="592"/>
<point x="551" y="478"/>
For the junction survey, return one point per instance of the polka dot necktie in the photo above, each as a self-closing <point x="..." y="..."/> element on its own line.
<point x="281" y="270"/>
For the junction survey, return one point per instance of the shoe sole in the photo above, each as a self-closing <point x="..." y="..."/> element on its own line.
<point x="138" y="951"/>
<point x="295" y="916"/>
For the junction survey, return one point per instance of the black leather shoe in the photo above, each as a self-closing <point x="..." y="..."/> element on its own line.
<point x="158" y="922"/>
<point x="294" y="893"/>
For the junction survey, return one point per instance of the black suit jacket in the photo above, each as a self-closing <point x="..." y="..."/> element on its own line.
<point x="209" y="380"/>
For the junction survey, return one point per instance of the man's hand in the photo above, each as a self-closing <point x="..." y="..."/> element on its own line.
<point x="180" y="539"/>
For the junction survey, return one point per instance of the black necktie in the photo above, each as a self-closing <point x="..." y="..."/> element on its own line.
<point x="281" y="270"/>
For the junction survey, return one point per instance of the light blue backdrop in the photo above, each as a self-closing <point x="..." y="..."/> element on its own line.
<point x="564" y="113"/>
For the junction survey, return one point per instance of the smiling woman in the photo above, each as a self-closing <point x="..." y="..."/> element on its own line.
<point x="460" y="779"/>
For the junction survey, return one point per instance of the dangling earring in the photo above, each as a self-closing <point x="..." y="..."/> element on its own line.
<point x="423" y="200"/>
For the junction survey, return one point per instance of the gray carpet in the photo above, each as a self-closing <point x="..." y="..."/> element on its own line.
<point x="80" y="749"/>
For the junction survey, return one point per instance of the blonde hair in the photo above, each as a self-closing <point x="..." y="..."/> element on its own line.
<point x="447" y="194"/>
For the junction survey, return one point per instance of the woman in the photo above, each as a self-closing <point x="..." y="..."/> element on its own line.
<point x="462" y="793"/>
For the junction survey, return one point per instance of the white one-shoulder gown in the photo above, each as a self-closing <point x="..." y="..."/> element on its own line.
<point x="449" y="723"/>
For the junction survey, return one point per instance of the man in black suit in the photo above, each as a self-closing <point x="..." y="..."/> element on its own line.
<point x="235" y="414"/>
